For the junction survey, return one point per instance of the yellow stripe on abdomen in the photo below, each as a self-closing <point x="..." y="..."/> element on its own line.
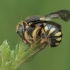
<point x="58" y="39"/>
<point x="58" y="34"/>
<point x="51" y="30"/>
<point x="46" y="28"/>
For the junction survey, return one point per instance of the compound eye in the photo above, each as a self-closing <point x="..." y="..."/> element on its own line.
<point x="21" y="30"/>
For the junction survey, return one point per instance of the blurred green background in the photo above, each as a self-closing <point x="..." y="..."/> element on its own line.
<point x="12" y="11"/>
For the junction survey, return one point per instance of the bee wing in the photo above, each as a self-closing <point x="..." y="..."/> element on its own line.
<point x="63" y="14"/>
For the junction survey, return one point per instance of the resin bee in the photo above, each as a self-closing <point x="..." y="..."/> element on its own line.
<point x="41" y="28"/>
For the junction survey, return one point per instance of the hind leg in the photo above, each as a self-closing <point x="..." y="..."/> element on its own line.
<point x="43" y="38"/>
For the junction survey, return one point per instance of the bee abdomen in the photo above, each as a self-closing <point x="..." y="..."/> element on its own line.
<point x="54" y="40"/>
<point x="53" y="34"/>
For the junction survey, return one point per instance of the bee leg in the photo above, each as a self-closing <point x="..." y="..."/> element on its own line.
<point x="43" y="38"/>
<point x="27" y="39"/>
<point x="43" y="41"/>
<point x="34" y="33"/>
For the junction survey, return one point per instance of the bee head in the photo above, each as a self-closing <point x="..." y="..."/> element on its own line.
<point x="20" y="29"/>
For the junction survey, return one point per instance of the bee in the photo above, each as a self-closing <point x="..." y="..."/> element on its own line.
<point x="41" y="27"/>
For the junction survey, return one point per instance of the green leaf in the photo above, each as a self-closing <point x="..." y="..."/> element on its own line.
<point x="12" y="59"/>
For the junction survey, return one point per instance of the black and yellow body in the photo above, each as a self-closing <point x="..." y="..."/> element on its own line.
<point x="53" y="33"/>
<point x="41" y="27"/>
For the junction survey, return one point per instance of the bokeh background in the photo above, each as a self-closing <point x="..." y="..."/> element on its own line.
<point x="12" y="11"/>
